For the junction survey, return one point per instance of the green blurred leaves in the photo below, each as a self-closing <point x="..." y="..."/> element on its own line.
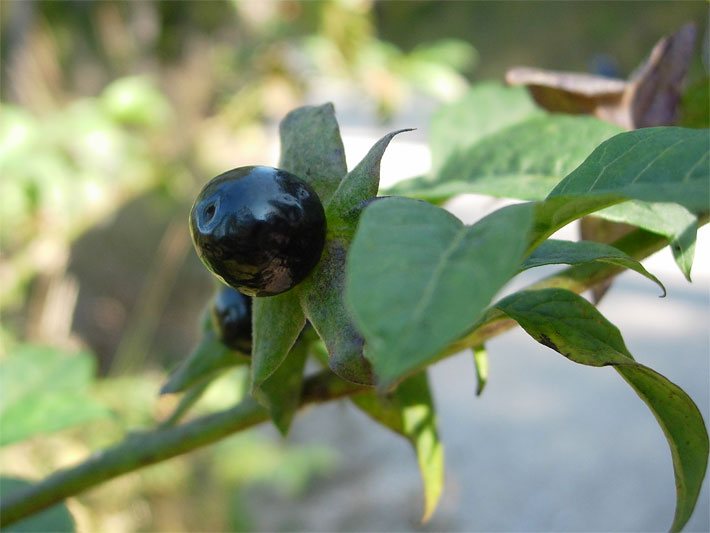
<point x="484" y="110"/>
<point x="45" y="390"/>
<point x="69" y="168"/>
<point x="525" y="160"/>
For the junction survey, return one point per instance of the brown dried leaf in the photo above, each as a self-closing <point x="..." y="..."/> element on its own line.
<point x="650" y="98"/>
<point x="655" y="89"/>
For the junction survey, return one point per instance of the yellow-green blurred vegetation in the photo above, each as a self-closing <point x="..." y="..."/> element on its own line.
<point x="114" y="114"/>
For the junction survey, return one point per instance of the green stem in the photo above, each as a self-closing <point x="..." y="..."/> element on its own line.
<point x="139" y="450"/>
<point x="143" y="449"/>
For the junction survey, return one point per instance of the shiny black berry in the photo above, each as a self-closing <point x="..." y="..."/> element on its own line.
<point x="260" y="229"/>
<point x="231" y="316"/>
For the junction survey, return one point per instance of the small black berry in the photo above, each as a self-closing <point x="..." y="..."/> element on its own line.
<point x="231" y="316"/>
<point x="259" y="229"/>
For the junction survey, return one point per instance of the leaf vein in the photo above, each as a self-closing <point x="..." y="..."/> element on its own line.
<point x="659" y="156"/>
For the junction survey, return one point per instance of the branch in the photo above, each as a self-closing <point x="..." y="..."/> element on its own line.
<point x="143" y="449"/>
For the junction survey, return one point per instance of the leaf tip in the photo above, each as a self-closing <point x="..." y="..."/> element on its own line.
<point x="167" y="388"/>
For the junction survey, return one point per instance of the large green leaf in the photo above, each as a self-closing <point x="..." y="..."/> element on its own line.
<point x="651" y="164"/>
<point x="554" y="252"/>
<point x="485" y="109"/>
<point x="45" y="390"/>
<point x="676" y="170"/>
<point x="409" y="411"/>
<point x="56" y="519"/>
<point x="417" y="278"/>
<point x="311" y="148"/>
<point x="525" y="160"/>
<point x="570" y="325"/>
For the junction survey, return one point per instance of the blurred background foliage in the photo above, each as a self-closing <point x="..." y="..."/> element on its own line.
<point x="113" y="114"/>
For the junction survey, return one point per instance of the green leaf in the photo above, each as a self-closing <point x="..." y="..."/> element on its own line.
<point x="525" y="160"/>
<point x="650" y="164"/>
<point x="409" y="411"/>
<point x="429" y="275"/>
<point x="322" y="292"/>
<point x="570" y="325"/>
<point x="554" y="252"/>
<point x="683" y="427"/>
<point x="322" y="300"/>
<point x="676" y="171"/>
<point x="276" y="324"/>
<point x="453" y="53"/>
<point x="311" y="148"/>
<point x="281" y="392"/>
<point x="672" y="221"/>
<point x="695" y="105"/>
<point x="480" y="362"/>
<point x="45" y="390"/>
<point x="204" y="363"/>
<point x="361" y="184"/>
<point x="485" y="109"/>
<point x="56" y="519"/>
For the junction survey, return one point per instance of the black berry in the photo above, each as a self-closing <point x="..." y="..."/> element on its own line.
<point x="231" y="315"/>
<point x="259" y="229"/>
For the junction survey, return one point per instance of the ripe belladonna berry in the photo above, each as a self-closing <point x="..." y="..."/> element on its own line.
<point x="259" y="229"/>
<point x="231" y="316"/>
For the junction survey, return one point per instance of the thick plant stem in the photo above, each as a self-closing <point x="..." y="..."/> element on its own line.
<point x="144" y="449"/>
